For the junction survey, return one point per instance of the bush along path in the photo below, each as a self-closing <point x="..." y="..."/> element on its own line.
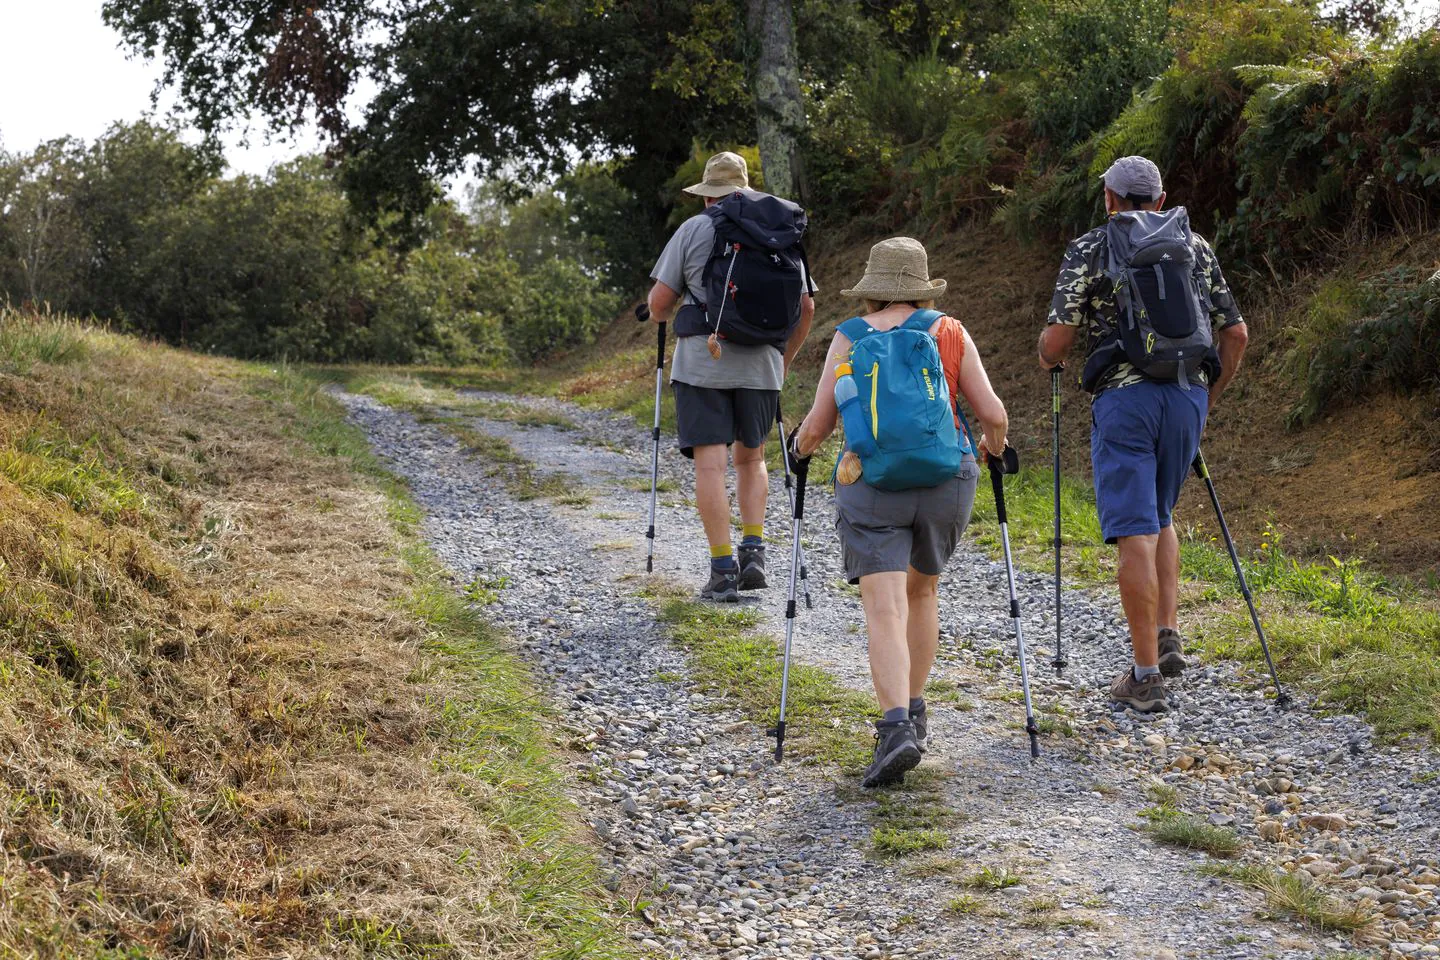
<point x="1225" y="829"/>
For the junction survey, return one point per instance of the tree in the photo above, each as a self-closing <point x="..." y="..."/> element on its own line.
<point x="779" y="108"/>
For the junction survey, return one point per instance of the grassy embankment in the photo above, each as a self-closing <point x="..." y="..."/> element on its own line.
<point x="243" y="711"/>
<point x="1359" y="639"/>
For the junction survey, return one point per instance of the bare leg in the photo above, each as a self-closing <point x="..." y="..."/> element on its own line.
<point x="711" y="498"/>
<point x="1140" y="595"/>
<point x="752" y="483"/>
<point x="922" y="629"/>
<point x="883" y="596"/>
<point x="1167" y="570"/>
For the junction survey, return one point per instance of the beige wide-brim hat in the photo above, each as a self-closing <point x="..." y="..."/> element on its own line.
<point x="897" y="270"/>
<point x="724" y="174"/>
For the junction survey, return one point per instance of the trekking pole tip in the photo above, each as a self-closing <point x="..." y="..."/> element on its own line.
<point x="649" y="564"/>
<point x="1059" y="663"/>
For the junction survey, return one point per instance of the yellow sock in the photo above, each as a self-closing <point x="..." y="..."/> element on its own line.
<point x="756" y="530"/>
<point x="725" y="551"/>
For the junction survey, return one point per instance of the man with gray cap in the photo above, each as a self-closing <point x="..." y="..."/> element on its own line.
<point x="727" y="386"/>
<point x="1163" y="338"/>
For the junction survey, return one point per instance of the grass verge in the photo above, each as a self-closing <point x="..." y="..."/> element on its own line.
<point x="243" y="713"/>
<point x="1291" y="895"/>
<point x="826" y="722"/>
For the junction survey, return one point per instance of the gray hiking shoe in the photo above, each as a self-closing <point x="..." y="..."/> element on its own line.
<point x="752" y="568"/>
<point x="1172" y="653"/>
<point x="1147" y="696"/>
<point x="896" y="753"/>
<point x="723" y="586"/>
<point x="922" y="726"/>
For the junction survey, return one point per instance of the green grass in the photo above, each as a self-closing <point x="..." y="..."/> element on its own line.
<point x="1296" y="896"/>
<point x="1171" y="827"/>
<point x="992" y="879"/>
<point x="899" y="842"/>
<point x="1356" y="641"/>
<point x="26" y="341"/>
<point x="495" y="733"/>
<point x="826" y="722"/>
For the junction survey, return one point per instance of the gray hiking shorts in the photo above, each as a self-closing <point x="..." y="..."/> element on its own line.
<point x="709" y="416"/>
<point x="885" y="531"/>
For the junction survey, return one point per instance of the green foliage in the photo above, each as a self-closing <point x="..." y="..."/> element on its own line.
<point x="1382" y="334"/>
<point x="1075" y="63"/>
<point x="140" y="229"/>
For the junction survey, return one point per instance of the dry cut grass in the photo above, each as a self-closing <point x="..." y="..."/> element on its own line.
<point x="241" y="712"/>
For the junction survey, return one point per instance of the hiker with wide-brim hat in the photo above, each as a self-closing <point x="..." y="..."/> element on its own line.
<point x="1163" y="339"/>
<point x="899" y="368"/>
<point x="727" y="385"/>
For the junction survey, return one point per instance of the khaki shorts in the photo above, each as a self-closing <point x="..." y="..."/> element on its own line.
<point x="885" y="531"/>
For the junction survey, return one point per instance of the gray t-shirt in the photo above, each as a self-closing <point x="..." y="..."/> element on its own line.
<point x="681" y="267"/>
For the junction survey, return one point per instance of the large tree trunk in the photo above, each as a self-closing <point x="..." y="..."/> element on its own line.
<point x="780" y="111"/>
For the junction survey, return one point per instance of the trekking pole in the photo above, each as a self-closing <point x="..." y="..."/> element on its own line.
<point x="642" y="313"/>
<point x="1203" y="472"/>
<point x="790" y="492"/>
<point x="802" y="468"/>
<point x="1059" y="662"/>
<point x="999" y="466"/>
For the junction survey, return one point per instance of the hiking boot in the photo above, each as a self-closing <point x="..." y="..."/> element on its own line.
<point x="922" y="726"/>
<point x="1172" y="653"/>
<point x="752" y="568"/>
<point x="1147" y="696"/>
<point x="896" y="752"/>
<point x="723" y="586"/>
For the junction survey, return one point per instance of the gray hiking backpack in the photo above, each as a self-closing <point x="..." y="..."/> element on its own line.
<point x="1162" y="295"/>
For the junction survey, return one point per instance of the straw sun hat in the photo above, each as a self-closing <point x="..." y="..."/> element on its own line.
<point x="724" y="174"/>
<point x="897" y="270"/>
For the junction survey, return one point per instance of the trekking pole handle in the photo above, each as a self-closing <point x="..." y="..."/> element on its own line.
<point x="1007" y="462"/>
<point x="642" y="312"/>
<point x="1198" y="465"/>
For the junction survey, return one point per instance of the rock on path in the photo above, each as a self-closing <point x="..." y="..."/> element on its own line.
<point x="744" y="859"/>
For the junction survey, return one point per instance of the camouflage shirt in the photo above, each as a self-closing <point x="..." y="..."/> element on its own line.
<point x="1085" y="297"/>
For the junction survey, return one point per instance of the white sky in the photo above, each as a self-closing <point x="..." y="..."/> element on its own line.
<point x="63" y="72"/>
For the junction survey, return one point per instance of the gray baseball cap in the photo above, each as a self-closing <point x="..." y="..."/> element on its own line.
<point x="1134" y="177"/>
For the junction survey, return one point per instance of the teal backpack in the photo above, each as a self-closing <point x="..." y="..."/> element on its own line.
<point x="900" y="420"/>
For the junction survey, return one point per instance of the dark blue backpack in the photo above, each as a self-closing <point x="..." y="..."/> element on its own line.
<point x="756" y="273"/>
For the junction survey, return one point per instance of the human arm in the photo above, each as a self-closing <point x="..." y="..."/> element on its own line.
<point x="662" y="301"/>
<point x="819" y="423"/>
<point x="1071" y="300"/>
<point x="801" y="331"/>
<point x="975" y="387"/>
<point x="1056" y="342"/>
<point x="1232" y="334"/>
<point x="1231" y="343"/>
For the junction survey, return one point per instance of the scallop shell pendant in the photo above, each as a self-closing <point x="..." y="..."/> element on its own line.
<point x="714" y="344"/>
<point x="849" y="470"/>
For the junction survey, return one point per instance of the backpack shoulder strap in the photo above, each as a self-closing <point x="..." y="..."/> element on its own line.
<point x="921" y="320"/>
<point x="856" y="329"/>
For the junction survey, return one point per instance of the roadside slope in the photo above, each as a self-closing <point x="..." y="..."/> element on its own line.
<point x="241" y="714"/>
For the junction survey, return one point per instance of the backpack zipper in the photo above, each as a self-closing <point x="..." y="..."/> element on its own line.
<point x="874" y="395"/>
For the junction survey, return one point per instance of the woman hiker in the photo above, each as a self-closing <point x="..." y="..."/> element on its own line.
<point x="897" y="539"/>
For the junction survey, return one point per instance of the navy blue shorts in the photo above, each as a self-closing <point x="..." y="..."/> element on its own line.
<point x="1143" y="439"/>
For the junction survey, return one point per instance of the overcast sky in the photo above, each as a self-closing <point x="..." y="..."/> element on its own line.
<point x="63" y="72"/>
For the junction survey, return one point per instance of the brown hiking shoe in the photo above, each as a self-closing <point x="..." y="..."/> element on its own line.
<point x="1172" y="653"/>
<point x="1147" y="696"/>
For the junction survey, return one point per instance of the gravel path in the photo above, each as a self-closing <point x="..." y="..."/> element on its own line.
<point x="747" y="859"/>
